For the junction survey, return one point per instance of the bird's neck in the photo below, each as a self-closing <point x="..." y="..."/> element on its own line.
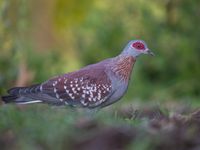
<point x="123" y="65"/>
<point x="128" y="51"/>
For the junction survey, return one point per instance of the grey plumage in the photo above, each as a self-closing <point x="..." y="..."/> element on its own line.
<point x="93" y="86"/>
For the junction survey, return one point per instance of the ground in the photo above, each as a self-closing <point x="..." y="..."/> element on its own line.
<point x="141" y="127"/>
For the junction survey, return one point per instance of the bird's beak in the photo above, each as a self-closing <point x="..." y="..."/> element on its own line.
<point x="149" y="52"/>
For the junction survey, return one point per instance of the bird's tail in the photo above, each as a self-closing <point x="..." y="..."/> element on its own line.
<point x="22" y="95"/>
<point x="9" y="98"/>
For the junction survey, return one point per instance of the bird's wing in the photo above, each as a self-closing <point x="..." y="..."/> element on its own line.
<point x="87" y="88"/>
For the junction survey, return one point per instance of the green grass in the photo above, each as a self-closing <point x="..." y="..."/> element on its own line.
<point x="145" y="128"/>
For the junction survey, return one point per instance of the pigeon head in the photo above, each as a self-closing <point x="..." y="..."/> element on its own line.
<point x="136" y="48"/>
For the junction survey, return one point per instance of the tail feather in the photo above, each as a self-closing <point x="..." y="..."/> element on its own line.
<point x="16" y="90"/>
<point x="9" y="98"/>
<point x="30" y="102"/>
<point x="24" y="90"/>
<point x="18" y="99"/>
<point x="28" y="95"/>
<point x="21" y="94"/>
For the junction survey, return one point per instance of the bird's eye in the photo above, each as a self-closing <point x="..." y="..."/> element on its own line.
<point x="138" y="45"/>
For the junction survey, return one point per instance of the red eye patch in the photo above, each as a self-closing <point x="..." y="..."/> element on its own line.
<point x="138" y="45"/>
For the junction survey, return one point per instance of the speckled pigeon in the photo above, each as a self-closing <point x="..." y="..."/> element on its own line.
<point x="94" y="86"/>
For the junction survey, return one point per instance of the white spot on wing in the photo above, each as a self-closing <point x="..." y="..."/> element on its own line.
<point x="65" y="81"/>
<point x="40" y="87"/>
<point x="71" y="96"/>
<point x="83" y="96"/>
<point x="84" y="103"/>
<point x="57" y="96"/>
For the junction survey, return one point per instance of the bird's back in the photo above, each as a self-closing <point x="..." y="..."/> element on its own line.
<point x="95" y="85"/>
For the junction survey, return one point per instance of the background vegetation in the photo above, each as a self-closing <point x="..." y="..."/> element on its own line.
<point x="41" y="39"/>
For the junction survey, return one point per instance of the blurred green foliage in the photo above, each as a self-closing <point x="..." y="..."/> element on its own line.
<point x="41" y="39"/>
<point x="58" y="36"/>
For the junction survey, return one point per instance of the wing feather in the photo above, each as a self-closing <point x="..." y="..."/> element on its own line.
<point x="87" y="87"/>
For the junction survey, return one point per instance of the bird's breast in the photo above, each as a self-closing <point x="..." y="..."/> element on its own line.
<point x="119" y="87"/>
<point x="123" y="67"/>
